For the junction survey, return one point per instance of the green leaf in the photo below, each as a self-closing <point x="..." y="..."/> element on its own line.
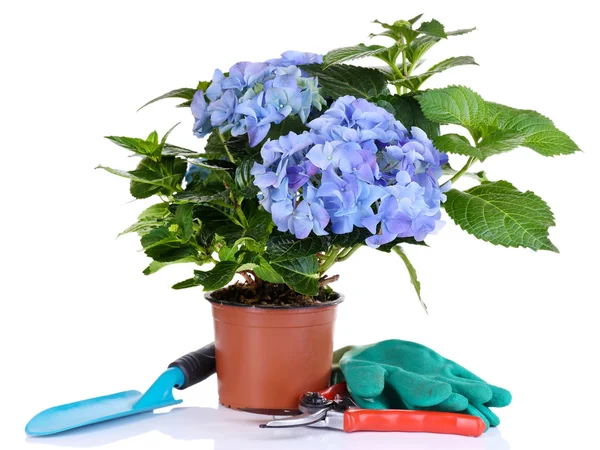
<point x="432" y="28"/>
<point x="265" y="271"/>
<point x="412" y="272"/>
<point x="238" y="146"/>
<point x="419" y="47"/>
<point x="340" y="55"/>
<point x="456" y="144"/>
<point x="214" y="145"/>
<point x="208" y="186"/>
<point x="156" y="211"/>
<point x="460" y="32"/>
<point x="153" y="138"/>
<point x="152" y="177"/>
<point x="149" y="147"/>
<point x="414" y="82"/>
<point x="415" y="19"/>
<point x="408" y="111"/>
<point x="172" y="253"/>
<point x="149" y="219"/>
<point x="346" y="239"/>
<point x="387" y="248"/>
<point x="342" y="79"/>
<point x="216" y="164"/>
<point x="244" y="180"/>
<point x="142" y="147"/>
<point x="228" y="253"/>
<point x="159" y="236"/>
<point x="400" y="29"/>
<point x="461" y="106"/>
<point x="456" y="105"/>
<point x="300" y="274"/>
<point x="285" y="246"/>
<point x="185" y="93"/>
<point x="500" y="141"/>
<point x="540" y="134"/>
<point x="499" y="213"/>
<point x="203" y="196"/>
<point x="155" y="266"/>
<point x="214" y="279"/>
<point x="142" y="227"/>
<point x="163" y="141"/>
<point x="184" y="218"/>
<point x="260" y="225"/>
<point x="174" y="150"/>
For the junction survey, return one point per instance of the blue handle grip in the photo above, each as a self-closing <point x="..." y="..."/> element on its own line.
<point x="196" y="366"/>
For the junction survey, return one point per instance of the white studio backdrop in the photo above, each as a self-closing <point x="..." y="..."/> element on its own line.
<point x="79" y="318"/>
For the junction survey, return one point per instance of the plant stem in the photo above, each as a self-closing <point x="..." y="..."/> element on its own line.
<point x="347" y="253"/>
<point x="412" y="66"/>
<point x="398" y="74"/>
<point x="405" y="90"/>
<point x="321" y="256"/>
<point x="246" y="277"/>
<point x="242" y="216"/>
<point x="229" y="155"/>
<point x="324" y="281"/>
<point x="462" y="171"/>
<point x="404" y="71"/>
<point x="398" y="77"/>
<point x="330" y="261"/>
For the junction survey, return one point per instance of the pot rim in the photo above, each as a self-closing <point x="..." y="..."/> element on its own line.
<point x="337" y="301"/>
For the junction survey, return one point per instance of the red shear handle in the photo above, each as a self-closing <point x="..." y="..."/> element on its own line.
<point x="419" y="421"/>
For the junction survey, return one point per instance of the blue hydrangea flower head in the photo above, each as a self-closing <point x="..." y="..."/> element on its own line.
<point x="294" y="58"/>
<point x="253" y="96"/>
<point x="358" y="166"/>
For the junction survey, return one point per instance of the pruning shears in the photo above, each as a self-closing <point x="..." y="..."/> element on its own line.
<point x="334" y="408"/>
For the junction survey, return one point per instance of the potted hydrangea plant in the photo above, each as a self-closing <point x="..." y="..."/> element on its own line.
<point x="306" y="160"/>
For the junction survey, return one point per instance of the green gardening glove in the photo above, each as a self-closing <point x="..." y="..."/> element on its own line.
<point x="397" y="374"/>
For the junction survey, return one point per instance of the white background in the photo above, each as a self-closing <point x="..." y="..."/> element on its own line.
<point x="79" y="319"/>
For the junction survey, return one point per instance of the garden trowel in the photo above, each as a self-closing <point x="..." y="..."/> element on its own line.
<point x="181" y="374"/>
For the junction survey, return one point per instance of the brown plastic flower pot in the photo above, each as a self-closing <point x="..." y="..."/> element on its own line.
<point x="267" y="356"/>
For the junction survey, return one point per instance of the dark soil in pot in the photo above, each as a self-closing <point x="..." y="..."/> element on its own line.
<point x="261" y="293"/>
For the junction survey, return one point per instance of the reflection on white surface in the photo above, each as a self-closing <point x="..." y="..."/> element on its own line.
<point x="222" y="428"/>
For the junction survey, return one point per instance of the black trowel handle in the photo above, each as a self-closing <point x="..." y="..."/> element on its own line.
<point x="196" y="366"/>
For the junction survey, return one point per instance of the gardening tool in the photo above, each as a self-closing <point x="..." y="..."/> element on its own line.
<point x="181" y="374"/>
<point x="334" y="408"/>
<point x="406" y="375"/>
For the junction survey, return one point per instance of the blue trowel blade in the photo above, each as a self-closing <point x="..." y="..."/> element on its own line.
<point x="108" y="407"/>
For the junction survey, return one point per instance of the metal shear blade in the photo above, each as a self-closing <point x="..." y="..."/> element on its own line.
<point x="301" y="420"/>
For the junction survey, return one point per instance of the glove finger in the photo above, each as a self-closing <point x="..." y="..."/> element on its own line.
<point x="454" y="403"/>
<point x="492" y="418"/>
<point x="500" y="397"/>
<point x="474" y="391"/>
<point x="379" y="402"/>
<point x="389" y="399"/>
<point x="417" y="389"/>
<point x="364" y="379"/>
<point x="471" y="410"/>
